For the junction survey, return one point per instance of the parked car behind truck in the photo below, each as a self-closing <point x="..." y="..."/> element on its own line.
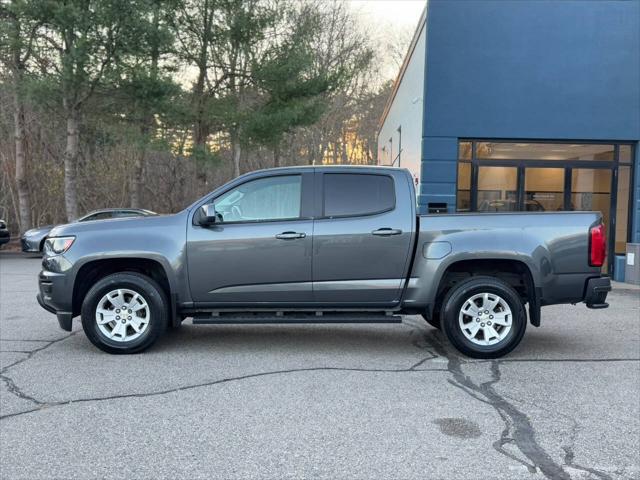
<point x="5" y="236"/>
<point x="321" y="244"/>
<point x="32" y="241"/>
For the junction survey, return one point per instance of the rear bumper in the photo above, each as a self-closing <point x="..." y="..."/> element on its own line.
<point x="596" y="292"/>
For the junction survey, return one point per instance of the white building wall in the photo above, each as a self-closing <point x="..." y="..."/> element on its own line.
<point x="405" y="112"/>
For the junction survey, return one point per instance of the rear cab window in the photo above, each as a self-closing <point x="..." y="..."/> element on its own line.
<point x="357" y="194"/>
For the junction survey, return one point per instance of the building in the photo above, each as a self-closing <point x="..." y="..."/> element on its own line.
<point x="523" y="105"/>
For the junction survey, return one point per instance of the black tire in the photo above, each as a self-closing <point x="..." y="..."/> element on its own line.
<point x="434" y="322"/>
<point x="144" y="286"/>
<point x="455" y="300"/>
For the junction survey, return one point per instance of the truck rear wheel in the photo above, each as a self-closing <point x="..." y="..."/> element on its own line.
<point x="483" y="317"/>
<point x="124" y="313"/>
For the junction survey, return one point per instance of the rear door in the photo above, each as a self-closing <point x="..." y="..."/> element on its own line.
<point x="362" y="237"/>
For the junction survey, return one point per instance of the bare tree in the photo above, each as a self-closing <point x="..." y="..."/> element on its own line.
<point x="19" y="39"/>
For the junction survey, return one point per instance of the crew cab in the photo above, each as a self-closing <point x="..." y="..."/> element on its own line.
<point x="322" y="244"/>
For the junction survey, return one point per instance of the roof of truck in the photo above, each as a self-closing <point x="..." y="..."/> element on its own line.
<point x="329" y="167"/>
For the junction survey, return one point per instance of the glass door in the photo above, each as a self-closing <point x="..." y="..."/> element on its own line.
<point x="497" y="189"/>
<point x="544" y="189"/>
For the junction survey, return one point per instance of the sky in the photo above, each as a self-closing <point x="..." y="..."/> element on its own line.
<point x="389" y="22"/>
<point x="402" y="13"/>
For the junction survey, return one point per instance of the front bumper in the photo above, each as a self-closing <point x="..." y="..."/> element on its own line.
<point x="55" y="296"/>
<point x="30" y="245"/>
<point x="596" y="292"/>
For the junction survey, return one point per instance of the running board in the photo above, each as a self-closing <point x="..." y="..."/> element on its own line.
<point x="294" y="317"/>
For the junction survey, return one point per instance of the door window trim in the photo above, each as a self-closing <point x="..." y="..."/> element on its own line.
<point x="320" y="197"/>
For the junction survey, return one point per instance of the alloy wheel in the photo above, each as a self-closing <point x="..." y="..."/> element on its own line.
<point x="123" y="315"/>
<point x="485" y="319"/>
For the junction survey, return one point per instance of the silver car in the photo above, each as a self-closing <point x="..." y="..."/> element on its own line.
<point x="32" y="241"/>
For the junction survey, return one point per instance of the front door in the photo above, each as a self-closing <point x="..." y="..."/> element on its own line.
<point x="362" y="239"/>
<point x="259" y="253"/>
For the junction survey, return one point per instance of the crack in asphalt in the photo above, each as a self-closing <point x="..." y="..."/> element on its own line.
<point x="11" y="385"/>
<point x="568" y="449"/>
<point x="518" y="428"/>
<point x="43" y="405"/>
<point x="15" y="390"/>
<point x="560" y="360"/>
<point x="569" y="456"/>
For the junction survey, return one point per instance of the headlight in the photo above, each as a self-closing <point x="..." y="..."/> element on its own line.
<point x="58" y="245"/>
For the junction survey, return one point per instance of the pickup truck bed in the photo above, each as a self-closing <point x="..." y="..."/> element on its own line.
<point x="321" y="244"/>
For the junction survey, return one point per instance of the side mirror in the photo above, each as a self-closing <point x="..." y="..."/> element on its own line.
<point x="208" y="215"/>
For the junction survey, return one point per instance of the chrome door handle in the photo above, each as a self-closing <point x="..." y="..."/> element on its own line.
<point x="290" y="235"/>
<point x="386" y="232"/>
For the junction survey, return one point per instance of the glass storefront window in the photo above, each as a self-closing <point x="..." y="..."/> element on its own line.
<point x="464" y="151"/>
<point x="591" y="191"/>
<point x="531" y="176"/>
<point x="624" y="154"/>
<point x="622" y="208"/>
<point x="463" y="197"/>
<point x="543" y="151"/>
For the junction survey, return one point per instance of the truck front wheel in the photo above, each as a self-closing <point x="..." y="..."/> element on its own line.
<point x="124" y="313"/>
<point x="483" y="317"/>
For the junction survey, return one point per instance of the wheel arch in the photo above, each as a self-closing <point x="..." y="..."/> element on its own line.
<point x="514" y="271"/>
<point x="93" y="270"/>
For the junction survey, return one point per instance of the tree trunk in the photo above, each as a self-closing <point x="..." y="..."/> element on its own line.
<point x="70" y="164"/>
<point x="200" y="128"/>
<point x="276" y="156"/>
<point x="237" y="151"/>
<point x="136" y="187"/>
<point x="24" y="200"/>
<point x="148" y="121"/>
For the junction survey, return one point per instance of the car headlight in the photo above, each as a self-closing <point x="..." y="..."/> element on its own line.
<point x="58" y="245"/>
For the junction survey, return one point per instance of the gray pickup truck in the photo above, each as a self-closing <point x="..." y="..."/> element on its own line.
<point x="321" y="244"/>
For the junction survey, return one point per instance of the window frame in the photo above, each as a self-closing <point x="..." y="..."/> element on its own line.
<point x="320" y="207"/>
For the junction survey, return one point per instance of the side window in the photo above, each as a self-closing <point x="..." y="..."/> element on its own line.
<point x="97" y="216"/>
<point x="350" y="194"/>
<point x="272" y="198"/>
<point x="126" y="213"/>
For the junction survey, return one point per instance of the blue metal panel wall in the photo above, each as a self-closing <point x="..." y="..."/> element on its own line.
<point x="526" y="69"/>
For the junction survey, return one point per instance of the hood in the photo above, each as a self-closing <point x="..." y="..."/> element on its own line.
<point x="39" y="230"/>
<point x="115" y="225"/>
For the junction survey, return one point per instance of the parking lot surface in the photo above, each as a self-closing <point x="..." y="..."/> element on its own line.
<point x="318" y="401"/>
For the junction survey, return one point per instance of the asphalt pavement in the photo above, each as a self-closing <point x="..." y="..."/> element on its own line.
<point x="318" y="401"/>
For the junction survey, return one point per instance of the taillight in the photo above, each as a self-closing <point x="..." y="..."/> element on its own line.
<point x="597" y="246"/>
